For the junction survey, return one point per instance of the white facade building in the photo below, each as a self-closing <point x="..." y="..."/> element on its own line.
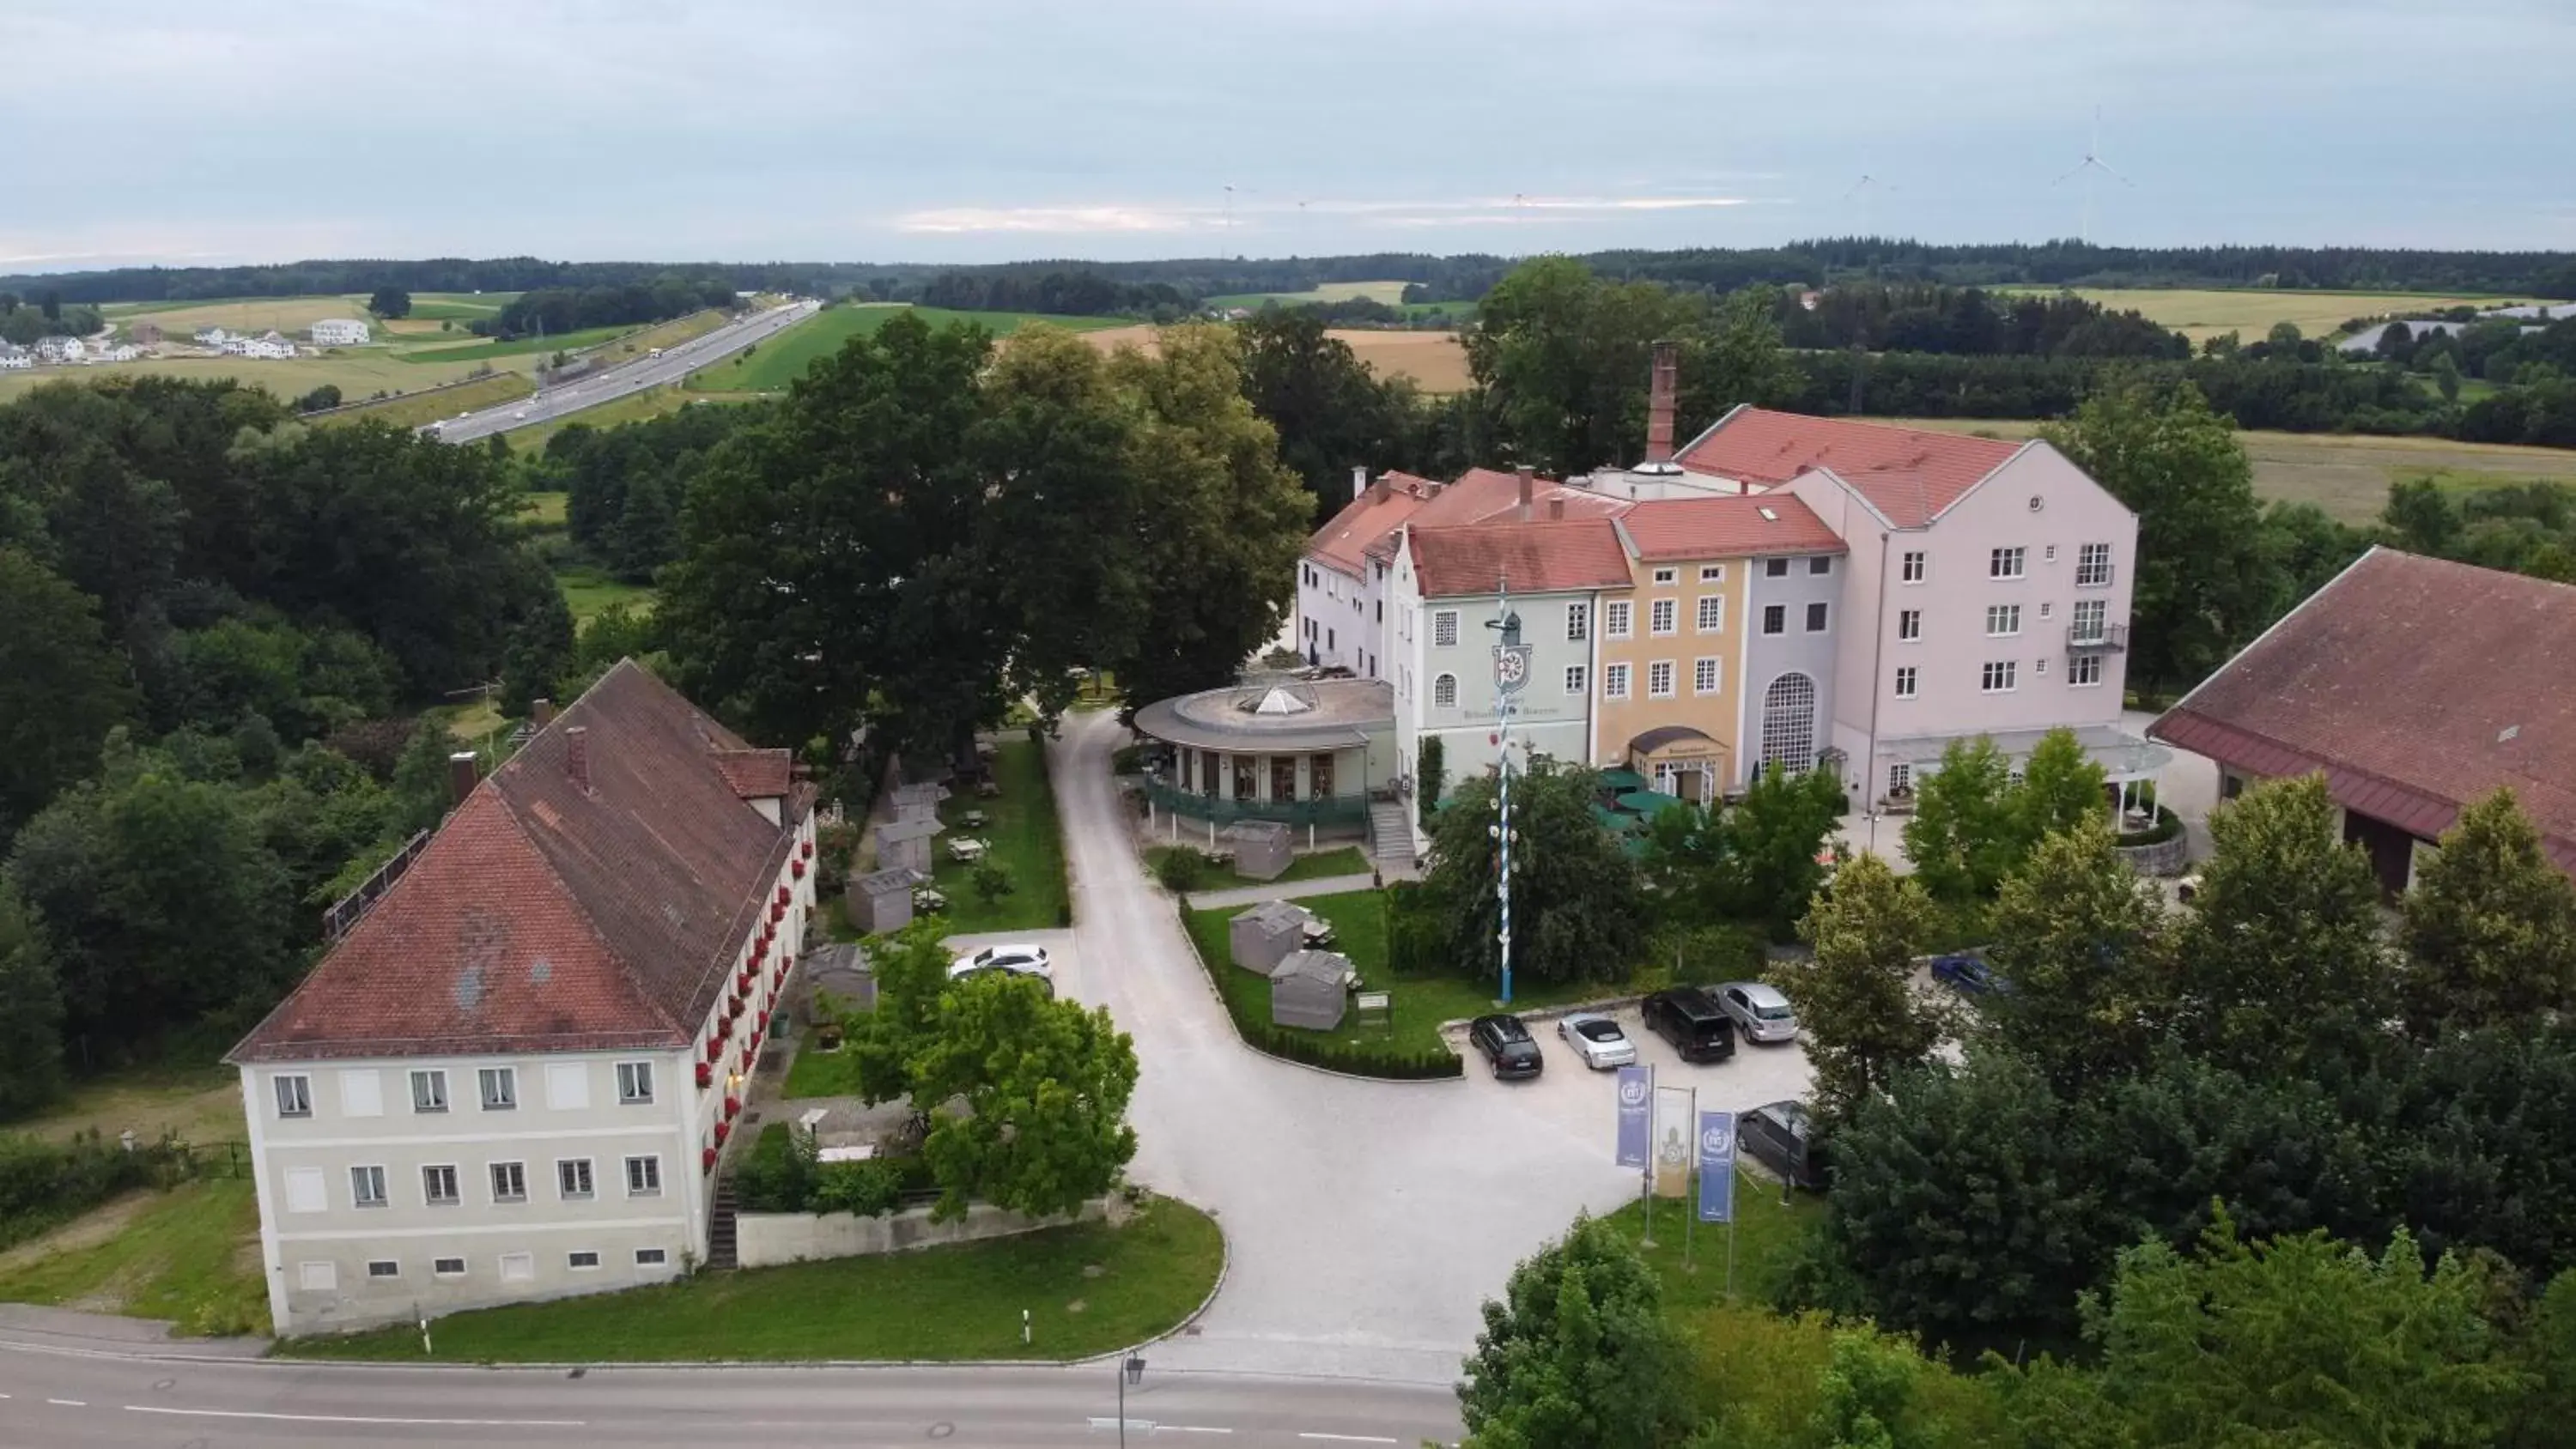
<point x="15" y="359"/>
<point x="339" y="332"/>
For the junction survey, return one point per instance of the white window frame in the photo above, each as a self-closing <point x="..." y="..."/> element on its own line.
<point x="1914" y="566"/>
<point x="2084" y="671"/>
<point x="1614" y="681"/>
<point x="506" y="1080"/>
<point x="635" y="1084"/>
<point x="573" y="1260"/>
<point x="492" y="1175"/>
<point x="1909" y="626"/>
<point x="661" y="1258"/>
<point x="1712" y="573"/>
<point x="1708" y="675"/>
<point x="429" y="1090"/>
<point x="2008" y="563"/>
<point x="2093" y="566"/>
<point x="569" y="1168"/>
<point x="1908" y="681"/>
<point x="1444" y="628"/>
<point x="429" y="1185"/>
<point x="1999" y="676"/>
<point x="366" y="1190"/>
<point x="362" y="1092"/>
<point x="651" y="1163"/>
<point x="518" y="1267"/>
<point x="1577" y="679"/>
<point x="2003" y="621"/>
<point x="1618" y="619"/>
<point x="1665" y="577"/>
<point x="308" y="1190"/>
<point x="1660" y="669"/>
<point x="293" y="1094"/>
<point x="1444" y="683"/>
<point x="438" y="1268"/>
<point x="567" y="1086"/>
<point x="1775" y="614"/>
<point x="1711" y="614"/>
<point x="2093" y="612"/>
<point x="1578" y="622"/>
<point x="319" y="1276"/>
<point x="392" y="1269"/>
<point x="1900" y="776"/>
<point x="1663" y="616"/>
<point x="1818" y="609"/>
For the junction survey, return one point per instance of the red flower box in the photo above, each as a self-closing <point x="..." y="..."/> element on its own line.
<point x="707" y="1160"/>
<point x="796" y="868"/>
<point x="733" y="1106"/>
<point x="807" y="850"/>
<point x="715" y="1046"/>
<point x="706" y="1074"/>
<point x="723" y="1131"/>
<point x="734" y="1009"/>
<point x="781" y="902"/>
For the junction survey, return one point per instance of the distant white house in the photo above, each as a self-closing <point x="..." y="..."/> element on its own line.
<point x="339" y="332"/>
<point x="15" y="359"/>
<point x="59" y="349"/>
<point x="213" y="336"/>
<point x="121" y="352"/>
<point x="271" y="347"/>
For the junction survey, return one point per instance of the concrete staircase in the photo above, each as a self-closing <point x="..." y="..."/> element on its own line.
<point x="1391" y="834"/>
<point x="720" y="1226"/>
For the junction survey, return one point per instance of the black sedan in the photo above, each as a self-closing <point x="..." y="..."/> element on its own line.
<point x="1781" y="1137"/>
<point x="1507" y="1046"/>
<point x="1967" y="975"/>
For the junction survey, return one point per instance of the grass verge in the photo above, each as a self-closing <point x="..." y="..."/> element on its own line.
<point x="189" y="1255"/>
<point x="1088" y="1289"/>
<point x="1768" y="1241"/>
<point x="1317" y="865"/>
<point x="1026" y="845"/>
<point x="413" y="410"/>
<point x="589" y="590"/>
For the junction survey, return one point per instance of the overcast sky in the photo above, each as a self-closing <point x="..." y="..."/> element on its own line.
<point x="977" y="130"/>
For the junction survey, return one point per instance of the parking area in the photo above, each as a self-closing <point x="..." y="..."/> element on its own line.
<point x="1580" y="1101"/>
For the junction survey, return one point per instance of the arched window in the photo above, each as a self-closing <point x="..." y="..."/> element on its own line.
<point x="1444" y="692"/>
<point x="1789" y="723"/>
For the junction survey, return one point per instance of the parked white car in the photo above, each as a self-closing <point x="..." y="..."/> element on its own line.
<point x="1597" y="1040"/>
<point x="1018" y="959"/>
<point x="1761" y="1013"/>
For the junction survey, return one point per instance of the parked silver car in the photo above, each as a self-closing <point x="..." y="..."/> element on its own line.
<point x="1761" y="1013"/>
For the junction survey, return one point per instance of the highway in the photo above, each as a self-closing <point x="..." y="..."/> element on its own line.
<point x="65" y="1391"/>
<point x="674" y="364"/>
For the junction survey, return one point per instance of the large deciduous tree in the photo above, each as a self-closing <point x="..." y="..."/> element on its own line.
<point x="1962" y="837"/>
<point x="390" y="303"/>
<point x="2061" y="788"/>
<point x="1331" y="412"/>
<point x="1577" y="1351"/>
<point x="1862" y="1019"/>
<point x="61" y="687"/>
<point x="1577" y="910"/>
<point x="2490" y="926"/>
<point x="2082" y="942"/>
<point x="31" y="1010"/>
<point x="1045" y="1086"/>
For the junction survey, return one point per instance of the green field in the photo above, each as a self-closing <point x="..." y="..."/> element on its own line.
<point x="513" y="347"/>
<point x="588" y="590"/>
<point x="2249" y="312"/>
<point x="773" y="364"/>
<point x="1088" y="1289"/>
<point x="1312" y="865"/>
<point x="190" y="1255"/>
<point x="419" y="408"/>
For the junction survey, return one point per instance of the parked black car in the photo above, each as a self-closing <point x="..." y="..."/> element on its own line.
<point x="1781" y="1137"/>
<point x="1693" y="1022"/>
<point x="1507" y="1046"/>
<point x="1967" y="975"/>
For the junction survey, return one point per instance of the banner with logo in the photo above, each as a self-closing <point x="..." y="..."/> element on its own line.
<point x="1636" y="1105"/>
<point x="1717" y="1167"/>
<point x="1672" y="1141"/>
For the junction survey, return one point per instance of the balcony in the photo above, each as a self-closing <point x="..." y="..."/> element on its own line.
<point x="2096" y="638"/>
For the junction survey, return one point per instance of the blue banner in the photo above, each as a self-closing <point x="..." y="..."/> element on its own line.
<point x="1717" y="1167"/>
<point x="1636" y="1106"/>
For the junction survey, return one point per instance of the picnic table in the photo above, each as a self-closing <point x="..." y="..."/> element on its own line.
<point x="973" y="820"/>
<point x="927" y="899"/>
<point x="967" y="849"/>
<point x="1317" y="933"/>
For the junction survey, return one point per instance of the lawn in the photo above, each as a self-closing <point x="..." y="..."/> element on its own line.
<point x="1767" y="1241"/>
<point x="589" y="590"/>
<point x="178" y="321"/>
<point x="1315" y="865"/>
<point x="190" y="1255"/>
<point x="190" y="1097"/>
<point x="1026" y="844"/>
<point x="415" y="409"/>
<point x="358" y="372"/>
<point x="1419" y="1003"/>
<point x="545" y="510"/>
<point x="2249" y="312"/>
<point x="770" y="366"/>
<point x="820" y="1073"/>
<point x="1089" y="1289"/>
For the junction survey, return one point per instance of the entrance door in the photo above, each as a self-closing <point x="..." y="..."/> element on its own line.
<point x="2392" y="851"/>
<point x="1244" y="788"/>
<point x="1319" y="778"/>
<point x="1283" y="778"/>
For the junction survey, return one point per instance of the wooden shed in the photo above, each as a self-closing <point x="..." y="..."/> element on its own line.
<point x="881" y="900"/>
<point x="1261" y="849"/>
<point x="905" y="844"/>
<point x="1311" y="989"/>
<point x="1262" y="937"/>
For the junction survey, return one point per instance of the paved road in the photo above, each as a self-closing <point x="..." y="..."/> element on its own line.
<point x="1367" y="1220"/>
<point x="674" y="364"/>
<point x="64" y="1394"/>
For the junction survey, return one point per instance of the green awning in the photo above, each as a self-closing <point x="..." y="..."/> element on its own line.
<point x="1622" y="781"/>
<point x="1648" y="802"/>
<point x="1614" y="820"/>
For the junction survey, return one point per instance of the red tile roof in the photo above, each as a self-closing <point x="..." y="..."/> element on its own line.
<point x="1685" y="528"/>
<point x="755" y="774"/>
<point x="1344" y="541"/>
<point x="2417" y="686"/>
<point x="548" y="917"/>
<point x="1909" y="474"/>
<point x="1365" y="529"/>
<point x="1533" y="558"/>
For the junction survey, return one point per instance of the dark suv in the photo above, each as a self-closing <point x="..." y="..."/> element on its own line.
<point x="1693" y="1022"/>
<point x="1782" y="1138"/>
<point x="1507" y="1046"/>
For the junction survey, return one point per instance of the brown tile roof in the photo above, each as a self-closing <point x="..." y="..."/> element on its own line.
<point x="754" y="774"/>
<point x="1365" y="529"/>
<point x="2417" y="686"/>
<point x="1344" y="541"/>
<point x="1909" y="474"/>
<point x="543" y="916"/>
<point x="1534" y="558"/>
<point x="1760" y="523"/>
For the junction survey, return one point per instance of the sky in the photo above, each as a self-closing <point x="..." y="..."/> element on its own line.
<point x="221" y="131"/>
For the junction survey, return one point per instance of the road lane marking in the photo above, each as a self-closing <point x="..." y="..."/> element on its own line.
<point x="1351" y="1438"/>
<point x="1195" y="1429"/>
<point x="70" y="1403"/>
<point x="360" y="1419"/>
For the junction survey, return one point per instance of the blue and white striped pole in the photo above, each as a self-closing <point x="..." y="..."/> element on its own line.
<point x="1503" y="711"/>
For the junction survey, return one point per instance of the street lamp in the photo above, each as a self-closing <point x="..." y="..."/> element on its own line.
<point x="1129" y="1372"/>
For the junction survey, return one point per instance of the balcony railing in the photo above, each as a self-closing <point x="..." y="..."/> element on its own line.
<point x="2096" y="638"/>
<point x="1338" y="810"/>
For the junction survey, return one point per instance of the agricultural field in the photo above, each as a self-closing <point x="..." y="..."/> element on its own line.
<point x="1390" y="293"/>
<point x="1434" y="360"/>
<point x="468" y="348"/>
<point x="419" y="408"/>
<point x="250" y="314"/>
<point x="2250" y="312"/>
<point x="358" y="372"/>
<point x="2347" y="475"/>
<point x="772" y="365"/>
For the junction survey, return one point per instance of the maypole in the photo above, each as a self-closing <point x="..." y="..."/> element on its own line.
<point x="1511" y="671"/>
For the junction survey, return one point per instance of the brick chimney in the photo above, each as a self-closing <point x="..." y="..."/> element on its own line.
<point x="462" y="775"/>
<point x="541" y="712"/>
<point x="1529" y="489"/>
<point x="1659" y="404"/>
<point x="577" y="755"/>
<point x="1359" y="479"/>
<point x="1376" y="491"/>
<point x="1556" y="510"/>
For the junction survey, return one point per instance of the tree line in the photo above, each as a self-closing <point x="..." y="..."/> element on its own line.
<point x="1916" y="317"/>
<point x="554" y="311"/>
<point x="23" y="320"/>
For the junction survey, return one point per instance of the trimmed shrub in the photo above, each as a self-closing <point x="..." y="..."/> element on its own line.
<point x="1180" y="870"/>
<point x="871" y="1189"/>
<point x="2167" y="826"/>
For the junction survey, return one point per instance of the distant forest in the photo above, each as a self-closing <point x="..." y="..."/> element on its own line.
<point x="1170" y="287"/>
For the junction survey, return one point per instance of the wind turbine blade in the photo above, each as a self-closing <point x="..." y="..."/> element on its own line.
<point x="2071" y="175"/>
<point x="2114" y="175"/>
<point x="1855" y="188"/>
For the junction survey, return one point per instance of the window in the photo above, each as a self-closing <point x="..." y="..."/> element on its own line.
<point x="429" y="1091"/>
<point x="1666" y="576"/>
<point x="1706" y="676"/>
<point x="652" y="1257"/>
<point x="518" y="1267"/>
<point x="317" y="1277"/>
<point x="1444" y="691"/>
<point x="500" y="1088"/>
<point x="1789" y="723"/>
<point x="1712" y="573"/>
<point x="1775" y="618"/>
<point x="1444" y="627"/>
<point x="634" y="1082"/>
<point x="1820" y="565"/>
<point x="383" y="1268"/>
<point x="362" y="1093"/>
<point x="1900" y="778"/>
<point x="1905" y="681"/>
<point x="2006" y="563"/>
<point x="1614" y="681"/>
<point x="643" y="1176"/>
<point x="1578" y="622"/>
<point x="1912" y="568"/>
<point x="1660" y="616"/>
<point x="1775" y="568"/>
<point x="1998" y="678"/>
<point x="294" y="1096"/>
<point x="1816" y="617"/>
<point x="568" y="1086"/>
<point x="1614" y="618"/>
<point x="572" y="1177"/>
<point x="2002" y="620"/>
<point x="509" y="1182"/>
<point x="2046" y="609"/>
<point x="1712" y="613"/>
<point x="2048" y="554"/>
<point x="305" y="1192"/>
<point x="581" y="1260"/>
<point x="1659" y="679"/>
<point x="438" y="1186"/>
<point x="2093" y="566"/>
<point x="2087" y="624"/>
<point x="1574" y="681"/>
<point x="447" y="1267"/>
<point x="2040" y="666"/>
<point x="1909" y="626"/>
<point x="2084" y="669"/>
<point x="1330" y="641"/>
<point x="366" y="1187"/>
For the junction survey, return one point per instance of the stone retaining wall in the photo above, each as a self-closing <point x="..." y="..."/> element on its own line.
<point x="2164" y="858"/>
<point x="764" y="1240"/>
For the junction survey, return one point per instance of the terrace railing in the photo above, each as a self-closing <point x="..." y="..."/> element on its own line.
<point x="1337" y="810"/>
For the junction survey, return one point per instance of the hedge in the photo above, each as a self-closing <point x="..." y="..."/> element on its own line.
<point x="44" y="1183"/>
<point x="2167" y="826"/>
<point x="1359" y="1059"/>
